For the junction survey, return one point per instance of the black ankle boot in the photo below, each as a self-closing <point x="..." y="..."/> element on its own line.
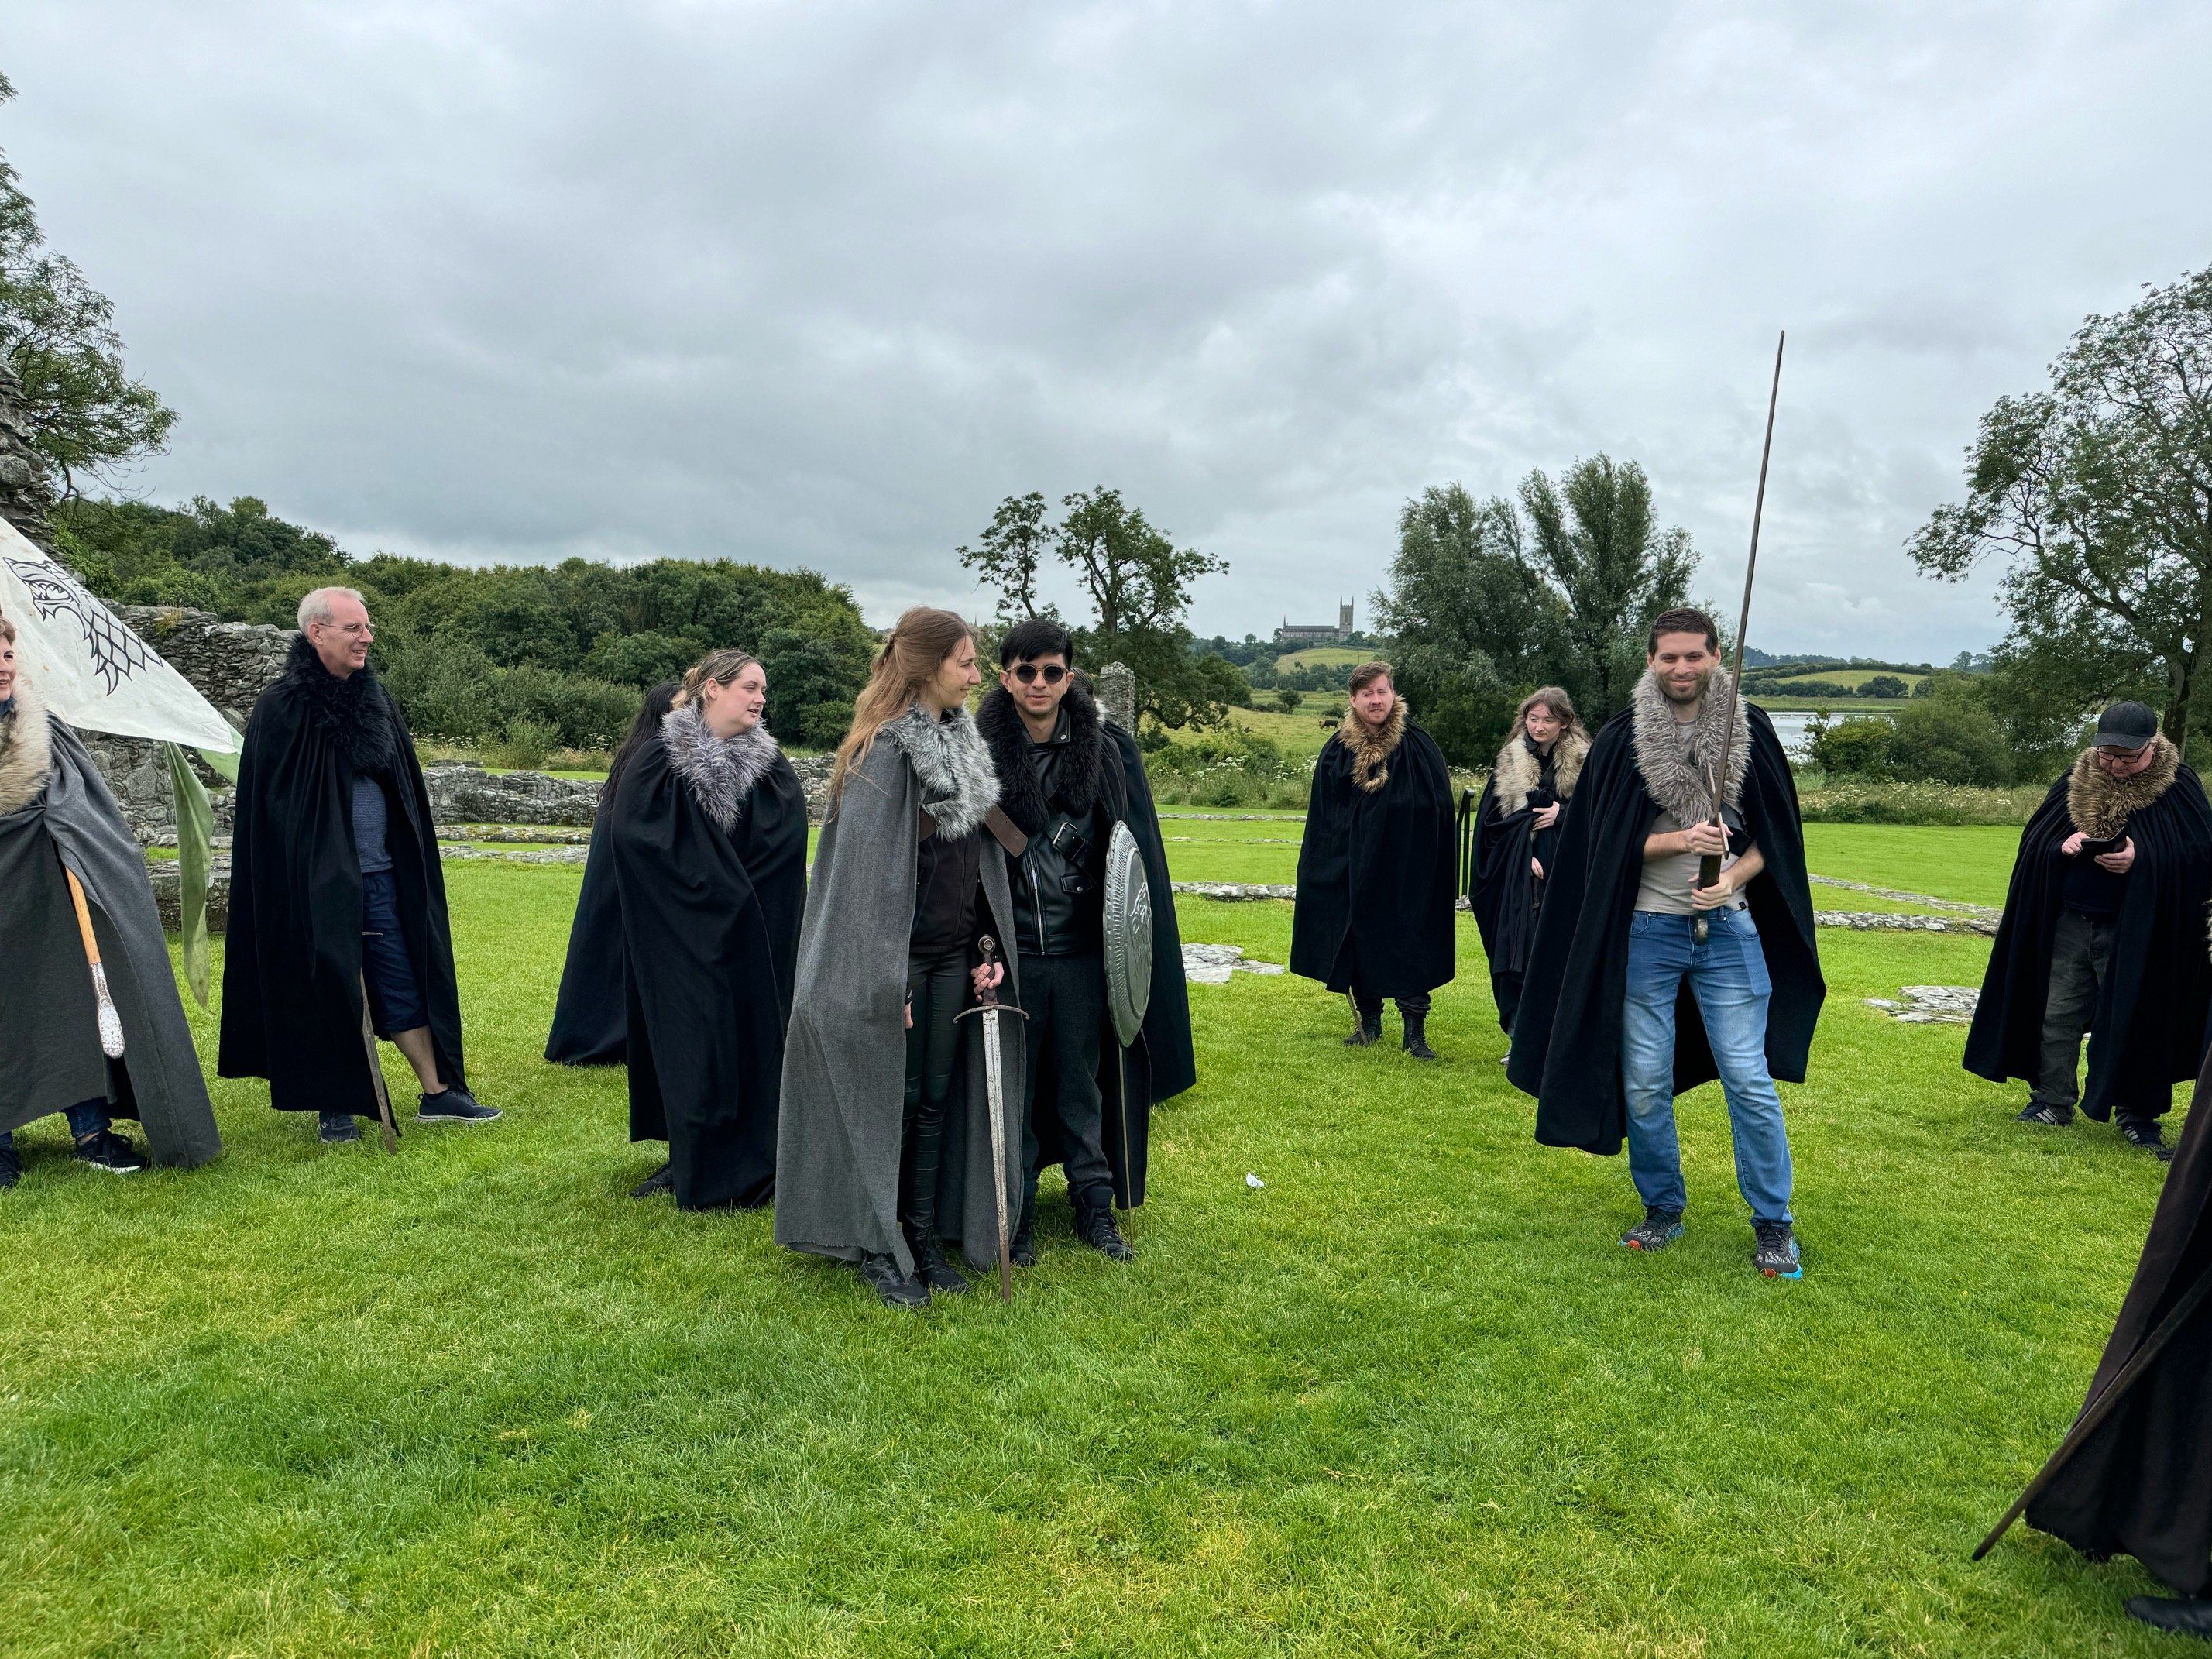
<point x="1369" y="1033"/>
<point x="1417" y="1041"/>
<point x="1023" y="1247"/>
<point x="1094" y="1225"/>
<point x="929" y="1265"/>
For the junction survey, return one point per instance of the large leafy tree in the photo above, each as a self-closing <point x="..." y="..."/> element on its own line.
<point x="1138" y="584"/>
<point x="2096" y="495"/>
<point x="1596" y="537"/>
<point x="86" y="414"/>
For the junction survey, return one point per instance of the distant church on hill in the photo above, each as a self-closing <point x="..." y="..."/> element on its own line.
<point x="1317" y="632"/>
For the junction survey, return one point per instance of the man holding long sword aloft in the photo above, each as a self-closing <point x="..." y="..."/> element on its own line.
<point x="1675" y="944"/>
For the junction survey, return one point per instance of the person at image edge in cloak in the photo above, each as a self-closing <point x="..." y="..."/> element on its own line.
<point x="1066" y="776"/>
<point x="1378" y="872"/>
<point x="707" y="839"/>
<point x="335" y="882"/>
<point x="1622" y="1009"/>
<point x="2141" y="1483"/>
<point x="1518" y="831"/>
<point x="590" y="1014"/>
<point x="57" y="819"/>
<point x="2103" y="932"/>
<point x="885" y="1149"/>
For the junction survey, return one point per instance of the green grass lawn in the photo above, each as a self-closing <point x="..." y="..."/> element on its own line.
<point x="1408" y="1398"/>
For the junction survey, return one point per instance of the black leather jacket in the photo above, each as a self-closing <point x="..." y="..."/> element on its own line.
<point x="1060" y="881"/>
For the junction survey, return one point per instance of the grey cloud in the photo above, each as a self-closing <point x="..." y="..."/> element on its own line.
<point x="819" y="284"/>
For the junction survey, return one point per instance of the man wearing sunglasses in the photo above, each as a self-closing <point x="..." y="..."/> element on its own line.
<point x="1066" y="777"/>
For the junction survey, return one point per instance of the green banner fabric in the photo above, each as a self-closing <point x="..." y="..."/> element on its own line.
<point x="195" y="831"/>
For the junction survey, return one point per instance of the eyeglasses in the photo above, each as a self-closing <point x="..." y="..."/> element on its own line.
<point x="1028" y="672"/>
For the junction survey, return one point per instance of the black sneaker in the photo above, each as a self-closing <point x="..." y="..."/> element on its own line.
<point x="453" y="1106"/>
<point x="338" y="1127"/>
<point x="1094" y="1225"/>
<point x="932" y="1268"/>
<point x="897" y="1289"/>
<point x="2048" y="1114"/>
<point x="110" y="1151"/>
<point x="11" y="1166"/>
<point x="1658" y="1228"/>
<point x="2183" y="1615"/>
<point x="662" y="1180"/>
<point x="2144" y="1134"/>
<point x="1777" y="1255"/>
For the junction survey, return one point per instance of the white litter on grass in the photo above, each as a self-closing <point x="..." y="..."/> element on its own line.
<point x="1930" y="1005"/>
<point x="1212" y="964"/>
<point x="1253" y="1181"/>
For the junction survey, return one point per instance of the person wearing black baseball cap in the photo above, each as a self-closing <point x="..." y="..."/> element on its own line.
<point x="2103" y="932"/>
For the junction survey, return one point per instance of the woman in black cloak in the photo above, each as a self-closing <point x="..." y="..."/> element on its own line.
<point x="707" y="836"/>
<point x="1517" y="826"/>
<point x="1379" y="873"/>
<point x="591" y="1016"/>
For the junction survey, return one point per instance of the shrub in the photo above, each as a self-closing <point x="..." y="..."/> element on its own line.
<point x="1949" y="739"/>
<point x="527" y="744"/>
<point x="1858" y="747"/>
<point x="1884" y="685"/>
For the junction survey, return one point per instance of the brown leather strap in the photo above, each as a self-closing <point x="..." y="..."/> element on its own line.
<point x="1009" y="833"/>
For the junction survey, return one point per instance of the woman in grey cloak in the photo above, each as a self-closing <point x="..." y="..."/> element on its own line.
<point x="57" y="819"/>
<point x="885" y="1147"/>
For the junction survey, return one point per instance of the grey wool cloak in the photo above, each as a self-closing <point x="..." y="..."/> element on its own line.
<point x="55" y="813"/>
<point x="844" y="1060"/>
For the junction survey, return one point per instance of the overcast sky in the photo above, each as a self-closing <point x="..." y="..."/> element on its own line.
<point x="819" y="283"/>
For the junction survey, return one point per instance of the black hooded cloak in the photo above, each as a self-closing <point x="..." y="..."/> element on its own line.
<point x="707" y="838"/>
<point x="291" y="972"/>
<point x="2141" y="1485"/>
<point x="1502" y="891"/>
<point x="590" y="1014"/>
<point x="1378" y="872"/>
<point x="1567" y="1037"/>
<point x="2148" y="1028"/>
<point x="1110" y="783"/>
<point x="56" y="815"/>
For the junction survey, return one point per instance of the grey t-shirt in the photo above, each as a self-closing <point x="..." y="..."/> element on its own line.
<point x="369" y="816"/>
<point x="1666" y="882"/>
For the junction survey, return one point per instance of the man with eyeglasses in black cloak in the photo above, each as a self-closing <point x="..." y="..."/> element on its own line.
<point x="1066" y="777"/>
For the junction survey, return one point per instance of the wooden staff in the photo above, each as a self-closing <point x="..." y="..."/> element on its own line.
<point x="110" y="1023"/>
<point x="376" y="1075"/>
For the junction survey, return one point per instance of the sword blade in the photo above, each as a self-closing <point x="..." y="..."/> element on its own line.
<point x="995" y="1090"/>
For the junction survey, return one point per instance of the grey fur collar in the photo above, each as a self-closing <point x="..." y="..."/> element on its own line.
<point x="1664" y="747"/>
<point x="1518" y="772"/>
<point x="27" y="755"/>
<point x="721" y="771"/>
<point x="2100" y="806"/>
<point x="959" y="784"/>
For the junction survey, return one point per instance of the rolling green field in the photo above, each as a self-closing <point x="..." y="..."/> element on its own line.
<point x="1407" y="1397"/>
<point x="1854" y="678"/>
<point x="1324" y="656"/>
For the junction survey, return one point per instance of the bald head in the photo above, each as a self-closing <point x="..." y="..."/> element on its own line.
<point x="336" y="622"/>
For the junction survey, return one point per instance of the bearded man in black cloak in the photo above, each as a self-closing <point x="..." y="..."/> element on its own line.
<point x="1066" y="776"/>
<point x="2139" y="1482"/>
<point x="1517" y="832"/>
<point x="1378" y="872"/>
<point x="337" y="895"/>
<point x="2103" y="932"/>
<point x="58" y="824"/>
<point x="1624" y="1007"/>
<point x="590" y="1014"/>
<point x="706" y="838"/>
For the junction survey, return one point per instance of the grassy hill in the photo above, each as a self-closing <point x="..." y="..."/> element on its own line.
<point x="1854" y="678"/>
<point x="1323" y="656"/>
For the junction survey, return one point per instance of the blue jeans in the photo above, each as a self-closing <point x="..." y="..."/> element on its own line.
<point x="1728" y="976"/>
<point x="86" y="1117"/>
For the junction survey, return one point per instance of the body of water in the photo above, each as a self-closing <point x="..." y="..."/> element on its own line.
<point x="1791" y="724"/>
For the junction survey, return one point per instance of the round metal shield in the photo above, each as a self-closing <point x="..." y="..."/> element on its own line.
<point x="1128" y="935"/>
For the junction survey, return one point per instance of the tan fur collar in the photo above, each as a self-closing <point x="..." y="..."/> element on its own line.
<point x="1518" y="771"/>
<point x="2100" y="806"/>
<point x="1372" y="747"/>
<point x="26" y="749"/>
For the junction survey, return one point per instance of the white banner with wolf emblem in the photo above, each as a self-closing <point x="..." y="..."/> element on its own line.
<point x="93" y="672"/>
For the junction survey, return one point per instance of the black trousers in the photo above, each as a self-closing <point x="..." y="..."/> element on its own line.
<point x="1416" y="1007"/>
<point x="936" y="990"/>
<point x="2080" y="962"/>
<point x="1066" y="1000"/>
